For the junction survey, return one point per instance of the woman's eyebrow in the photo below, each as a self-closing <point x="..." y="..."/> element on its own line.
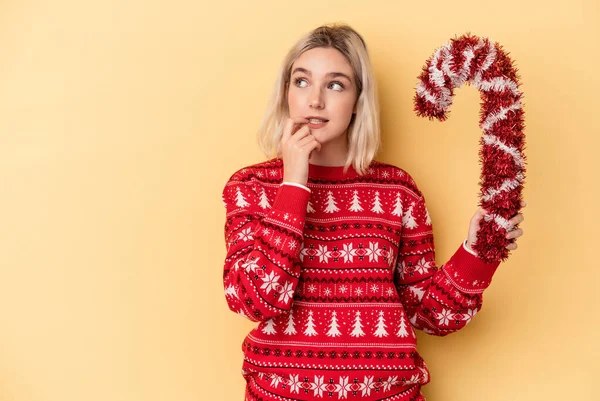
<point x="331" y="74"/>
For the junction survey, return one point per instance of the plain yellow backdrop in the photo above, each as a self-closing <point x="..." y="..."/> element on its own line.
<point x="120" y="122"/>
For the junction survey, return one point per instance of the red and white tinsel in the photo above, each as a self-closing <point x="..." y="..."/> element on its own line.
<point x="484" y="65"/>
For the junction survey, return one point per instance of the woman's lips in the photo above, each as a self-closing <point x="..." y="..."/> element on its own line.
<point x="317" y="126"/>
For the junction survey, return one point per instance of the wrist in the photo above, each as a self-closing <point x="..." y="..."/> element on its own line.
<point x="469" y="247"/>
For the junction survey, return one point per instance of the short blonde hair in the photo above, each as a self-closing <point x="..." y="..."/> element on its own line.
<point x="364" y="138"/>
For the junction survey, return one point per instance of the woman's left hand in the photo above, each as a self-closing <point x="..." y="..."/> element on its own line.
<point x="474" y="227"/>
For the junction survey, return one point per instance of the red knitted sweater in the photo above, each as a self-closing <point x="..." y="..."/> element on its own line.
<point x="339" y="274"/>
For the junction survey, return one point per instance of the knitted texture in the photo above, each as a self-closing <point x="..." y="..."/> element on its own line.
<point x="486" y="66"/>
<point x="338" y="276"/>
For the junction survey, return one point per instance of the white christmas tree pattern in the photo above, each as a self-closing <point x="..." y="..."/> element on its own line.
<point x="269" y="327"/>
<point x="333" y="326"/>
<point x="309" y="208"/>
<point x="355" y="205"/>
<point x="377" y="204"/>
<point x="231" y="290"/>
<point x="310" y="325"/>
<point x="264" y="201"/>
<point x="418" y="292"/>
<point x="428" y="219"/>
<point x="402" y="332"/>
<point x="357" y="327"/>
<point x="397" y="206"/>
<point x="408" y="220"/>
<point x="291" y="328"/>
<point x="381" y="331"/>
<point x="240" y="201"/>
<point x="331" y="203"/>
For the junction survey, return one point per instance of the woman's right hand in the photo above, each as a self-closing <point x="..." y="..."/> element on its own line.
<point x="297" y="145"/>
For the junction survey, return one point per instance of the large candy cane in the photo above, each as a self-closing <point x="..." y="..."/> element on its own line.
<point x="486" y="66"/>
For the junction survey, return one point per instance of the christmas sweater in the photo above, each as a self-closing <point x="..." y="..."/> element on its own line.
<point x="339" y="274"/>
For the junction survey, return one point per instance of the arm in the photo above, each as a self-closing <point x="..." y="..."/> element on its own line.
<point x="438" y="300"/>
<point x="262" y="264"/>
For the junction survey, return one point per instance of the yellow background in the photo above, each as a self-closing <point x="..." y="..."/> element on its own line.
<point x="120" y="122"/>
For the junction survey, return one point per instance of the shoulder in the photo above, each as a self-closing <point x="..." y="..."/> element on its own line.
<point x="395" y="175"/>
<point x="266" y="171"/>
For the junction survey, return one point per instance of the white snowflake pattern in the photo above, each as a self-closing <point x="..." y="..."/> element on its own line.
<point x="367" y="385"/>
<point x="318" y="386"/>
<point x="358" y="291"/>
<point x="273" y="173"/>
<point x="390" y="292"/>
<point x="292" y="245"/>
<point x="266" y="232"/>
<point x="270" y="282"/>
<point x="327" y="291"/>
<point x="414" y="379"/>
<point x="294" y="384"/>
<point x="385" y="174"/>
<point x="444" y="317"/>
<point x="259" y="173"/>
<point x="312" y="288"/>
<point x="343" y="289"/>
<point x="423" y="266"/>
<point x="323" y="253"/>
<point x="275" y="380"/>
<point x="374" y="288"/>
<point x="343" y="387"/>
<point x="469" y="315"/>
<point x="246" y="234"/>
<point x="251" y="265"/>
<point x="287" y="292"/>
<point x="373" y="251"/>
<point x="392" y="380"/>
<point x="286" y="216"/>
<point x="278" y="241"/>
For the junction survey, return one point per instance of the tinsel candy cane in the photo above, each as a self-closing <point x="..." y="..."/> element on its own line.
<point x="484" y="65"/>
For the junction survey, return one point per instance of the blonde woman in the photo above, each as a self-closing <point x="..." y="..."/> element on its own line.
<point x="331" y="251"/>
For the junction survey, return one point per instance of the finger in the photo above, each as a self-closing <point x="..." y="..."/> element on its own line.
<point x="310" y="141"/>
<point x="511" y="246"/>
<point x="302" y="133"/>
<point x="523" y="203"/>
<point x="515" y="234"/>
<point x="517" y="219"/>
<point x="289" y="126"/>
<point x="315" y="146"/>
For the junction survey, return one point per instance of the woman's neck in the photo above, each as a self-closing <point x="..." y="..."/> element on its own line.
<point x="331" y="153"/>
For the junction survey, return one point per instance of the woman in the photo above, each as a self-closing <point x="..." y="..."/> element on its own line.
<point x="331" y="251"/>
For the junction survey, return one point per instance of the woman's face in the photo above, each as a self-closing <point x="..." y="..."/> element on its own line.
<point x="322" y="85"/>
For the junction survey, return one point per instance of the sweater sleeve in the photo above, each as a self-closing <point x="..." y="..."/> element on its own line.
<point x="438" y="300"/>
<point x="263" y="241"/>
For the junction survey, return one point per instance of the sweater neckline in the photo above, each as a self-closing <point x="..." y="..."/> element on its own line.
<point x="316" y="171"/>
<point x="333" y="172"/>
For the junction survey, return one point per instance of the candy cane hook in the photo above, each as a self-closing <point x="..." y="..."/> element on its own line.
<point x="484" y="65"/>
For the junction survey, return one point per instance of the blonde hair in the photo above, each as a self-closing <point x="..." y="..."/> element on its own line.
<point x="363" y="134"/>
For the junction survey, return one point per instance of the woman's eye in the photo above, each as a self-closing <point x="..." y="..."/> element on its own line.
<point x="338" y="84"/>
<point x="298" y="80"/>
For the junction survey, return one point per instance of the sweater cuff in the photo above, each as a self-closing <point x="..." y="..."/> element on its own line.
<point x="469" y="271"/>
<point x="472" y="252"/>
<point x="296" y="184"/>
<point x="291" y="199"/>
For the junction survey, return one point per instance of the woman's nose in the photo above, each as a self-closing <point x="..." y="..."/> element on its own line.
<point x="316" y="99"/>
